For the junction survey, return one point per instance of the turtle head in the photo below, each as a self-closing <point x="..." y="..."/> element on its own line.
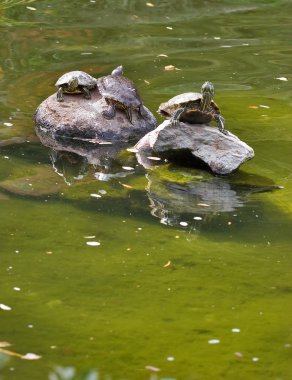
<point x="208" y="93"/>
<point x="72" y="84"/>
<point x="117" y="71"/>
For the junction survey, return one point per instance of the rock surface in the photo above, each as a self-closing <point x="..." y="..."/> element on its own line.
<point x="78" y="118"/>
<point x="223" y="154"/>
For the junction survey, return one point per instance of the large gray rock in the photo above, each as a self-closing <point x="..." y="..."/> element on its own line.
<point x="222" y="153"/>
<point x="78" y="118"/>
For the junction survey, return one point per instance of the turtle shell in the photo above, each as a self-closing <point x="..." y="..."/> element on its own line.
<point x="119" y="89"/>
<point x="84" y="79"/>
<point x="192" y="99"/>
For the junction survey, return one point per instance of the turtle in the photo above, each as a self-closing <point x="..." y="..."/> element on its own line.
<point x="194" y="108"/>
<point x="120" y="92"/>
<point x="75" y="82"/>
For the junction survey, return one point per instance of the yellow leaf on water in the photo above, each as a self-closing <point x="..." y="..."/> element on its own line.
<point x="151" y="5"/>
<point x="167" y="264"/>
<point x="253" y="107"/>
<point x="146" y="82"/>
<point x="170" y="68"/>
<point x="126" y="186"/>
<point x="5" y="344"/>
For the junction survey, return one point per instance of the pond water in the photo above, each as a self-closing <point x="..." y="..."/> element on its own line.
<point x="135" y="271"/>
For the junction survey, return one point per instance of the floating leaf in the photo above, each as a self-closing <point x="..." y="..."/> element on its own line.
<point x="154" y="158"/>
<point x="30" y="356"/>
<point x="132" y="150"/>
<point x="5" y="307"/>
<point x="170" y="68"/>
<point x="95" y="195"/>
<point x="93" y="243"/>
<point x="5" y="344"/>
<point x="126" y="186"/>
<point x="282" y="78"/>
<point x="152" y="368"/>
<point x="167" y="264"/>
<point x="213" y="341"/>
<point x="203" y="204"/>
<point x="151" y="5"/>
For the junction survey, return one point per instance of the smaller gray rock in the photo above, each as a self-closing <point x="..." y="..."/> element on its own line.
<point x="222" y="153"/>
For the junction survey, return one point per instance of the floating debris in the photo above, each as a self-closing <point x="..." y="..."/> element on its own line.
<point x="151" y="5"/>
<point x="128" y="168"/>
<point x="213" y="341"/>
<point x="151" y="368"/>
<point x="170" y="68"/>
<point x="217" y="38"/>
<point x="103" y="192"/>
<point x="146" y="82"/>
<point x="283" y="79"/>
<point x="31" y="8"/>
<point x="255" y="359"/>
<point x="4" y="307"/>
<point x="154" y="158"/>
<point x="168" y="264"/>
<point x="132" y="150"/>
<point x="236" y="330"/>
<point x="8" y="124"/>
<point x="5" y="344"/>
<point x="17" y="289"/>
<point x="169" y="27"/>
<point x="95" y="195"/>
<point x="238" y="354"/>
<point x="126" y="186"/>
<point x="203" y="204"/>
<point x="253" y="107"/>
<point x="170" y="358"/>
<point x="30" y="356"/>
<point x="263" y="106"/>
<point x="93" y="243"/>
<point x="198" y="218"/>
<point x="184" y="224"/>
<point x="162" y="55"/>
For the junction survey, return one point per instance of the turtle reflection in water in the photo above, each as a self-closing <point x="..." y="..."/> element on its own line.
<point x="120" y="92"/>
<point x="75" y="82"/>
<point x="194" y="108"/>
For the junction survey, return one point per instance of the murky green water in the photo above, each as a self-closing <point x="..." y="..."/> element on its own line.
<point x="154" y="292"/>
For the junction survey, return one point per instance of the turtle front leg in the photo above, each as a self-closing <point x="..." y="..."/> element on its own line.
<point x="129" y="114"/>
<point x="220" y="123"/>
<point x="86" y="92"/>
<point x="60" y="95"/>
<point x="110" y="112"/>
<point x="174" y="121"/>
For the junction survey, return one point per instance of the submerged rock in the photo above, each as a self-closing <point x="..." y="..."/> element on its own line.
<point x="78" y="118"/>
<point x="223" y="154"/>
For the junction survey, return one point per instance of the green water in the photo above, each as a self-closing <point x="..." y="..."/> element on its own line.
<point x="154" y="292"/>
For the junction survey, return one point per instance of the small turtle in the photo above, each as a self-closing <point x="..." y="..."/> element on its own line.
<point x="193" y="107"/>
<point x="75" y="82"/>
<point x="120" y="92"/>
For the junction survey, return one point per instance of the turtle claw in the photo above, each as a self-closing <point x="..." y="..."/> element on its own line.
<point x="224" y="131"/>
<point x="174" y="122"/>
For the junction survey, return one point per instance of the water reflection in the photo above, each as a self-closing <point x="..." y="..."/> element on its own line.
<point x="174" y="203"/>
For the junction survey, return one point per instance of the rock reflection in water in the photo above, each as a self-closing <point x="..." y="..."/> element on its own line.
<point x="175" y="203"/>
